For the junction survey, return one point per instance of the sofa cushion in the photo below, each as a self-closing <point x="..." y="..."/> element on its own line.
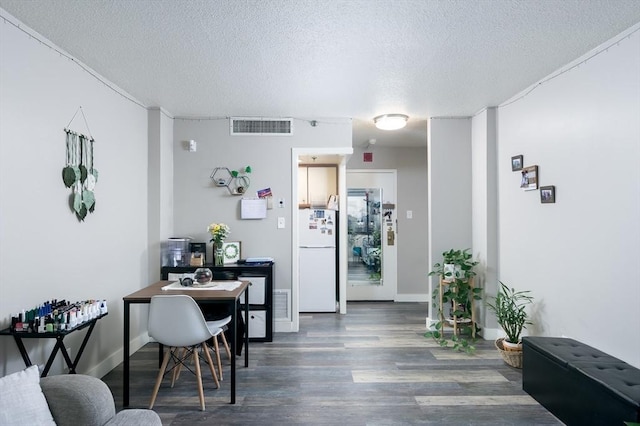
<point x="22" y="401"/>
<point x="92" y="405"/>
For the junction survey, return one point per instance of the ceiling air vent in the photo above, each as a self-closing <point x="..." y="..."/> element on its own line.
<point x="261" y="126"/>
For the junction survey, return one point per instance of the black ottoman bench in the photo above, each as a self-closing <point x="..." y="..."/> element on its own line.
<point x="579" y="384"/>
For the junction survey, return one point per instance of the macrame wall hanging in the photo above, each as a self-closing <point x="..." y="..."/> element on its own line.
<point x="78" y="172"/>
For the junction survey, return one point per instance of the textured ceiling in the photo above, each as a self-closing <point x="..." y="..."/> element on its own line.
<point x="318" y="59"/>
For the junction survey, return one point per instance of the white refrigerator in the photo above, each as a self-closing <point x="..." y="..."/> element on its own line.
<point x="317" y="261"/>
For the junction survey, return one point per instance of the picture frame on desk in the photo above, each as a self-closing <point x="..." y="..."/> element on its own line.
<point x="232" y="251"/>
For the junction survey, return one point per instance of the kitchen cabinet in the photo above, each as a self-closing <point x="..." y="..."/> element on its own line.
<point x="316" y="184"/>
<point x="261" y="279"/>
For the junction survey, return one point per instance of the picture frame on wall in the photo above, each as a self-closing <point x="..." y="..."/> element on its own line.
<point x="529" y="178"/>
<point x="516" y="163"/>
<point x="547" y="194"/>
<point x="232" y="251"/>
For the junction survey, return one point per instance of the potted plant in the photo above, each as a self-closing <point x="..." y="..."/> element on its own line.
<point x="509" y="306"/>
<point x="455" y="290"/>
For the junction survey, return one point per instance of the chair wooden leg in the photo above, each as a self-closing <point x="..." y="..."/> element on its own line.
<point x="226" y="345"/>
<point x="196" y="361"/>
<point x="205" y="349"/>
<point x="217" y="349"/>
<point x="163" y="367"/>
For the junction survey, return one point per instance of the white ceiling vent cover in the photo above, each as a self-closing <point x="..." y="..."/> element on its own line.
<point x="261" y="126"/>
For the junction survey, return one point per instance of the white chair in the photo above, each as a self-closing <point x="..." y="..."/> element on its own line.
<point x="176" y="321"/>
<point x="222" y="325"/>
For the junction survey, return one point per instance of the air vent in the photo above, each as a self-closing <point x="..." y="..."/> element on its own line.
<point x="261" y="126"/>
<point x="281" y="304"/>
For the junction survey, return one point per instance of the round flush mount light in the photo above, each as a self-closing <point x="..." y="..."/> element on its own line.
<point x="391" y="121"/>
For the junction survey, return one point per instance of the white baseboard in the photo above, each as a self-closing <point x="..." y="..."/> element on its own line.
<point x="101" y="369"/>
<point x="283" y="326"/>
<point x="412" y="297"/>
<point x="492" y="333"/>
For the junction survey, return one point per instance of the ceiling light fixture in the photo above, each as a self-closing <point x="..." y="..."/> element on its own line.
<point x="391" y="121"/>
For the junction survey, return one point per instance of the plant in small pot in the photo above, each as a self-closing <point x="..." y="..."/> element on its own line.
<point x="455" y="294"/>
<point x="509" y="306"/>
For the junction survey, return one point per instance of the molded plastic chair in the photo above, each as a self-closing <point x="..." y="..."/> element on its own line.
<point x="177" y="322"/>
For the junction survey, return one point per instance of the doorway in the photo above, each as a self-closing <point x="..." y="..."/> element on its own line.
<point x="371" y="235"/>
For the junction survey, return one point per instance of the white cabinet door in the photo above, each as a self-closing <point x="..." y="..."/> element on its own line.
<point x="322" y="182"/>
<point x="303" y="194"/>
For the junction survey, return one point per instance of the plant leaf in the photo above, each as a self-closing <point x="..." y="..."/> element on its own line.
<point x="83" y="173"/>
<point x="77" y="202"/>
<point x="88" y="198"/>
<point x="82" y="213"/>
<point x="68" y="176"/>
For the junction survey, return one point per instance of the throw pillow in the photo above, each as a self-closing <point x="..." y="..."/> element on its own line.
<point x="22" y="401"/>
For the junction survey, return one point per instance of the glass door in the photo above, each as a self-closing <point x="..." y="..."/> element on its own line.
<point x="371" y="235"/>
<point x="364" y="236"/>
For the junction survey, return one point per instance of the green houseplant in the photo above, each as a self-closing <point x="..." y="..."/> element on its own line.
<point x="456" y="273"/>
<point x="509" y="306"/>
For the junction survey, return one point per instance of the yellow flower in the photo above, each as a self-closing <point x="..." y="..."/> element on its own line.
<point x="218" y="231"/>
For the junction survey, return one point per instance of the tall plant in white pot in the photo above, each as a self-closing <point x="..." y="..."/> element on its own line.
<point x="510" y="308"/>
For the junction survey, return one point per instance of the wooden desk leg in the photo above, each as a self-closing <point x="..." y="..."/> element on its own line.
<point x="125" y="356"/>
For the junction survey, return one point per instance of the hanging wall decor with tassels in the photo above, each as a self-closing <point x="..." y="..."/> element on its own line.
<point x="79" y="173"/>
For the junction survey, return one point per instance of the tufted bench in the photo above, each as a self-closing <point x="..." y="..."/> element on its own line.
<point x="579" y="384"/>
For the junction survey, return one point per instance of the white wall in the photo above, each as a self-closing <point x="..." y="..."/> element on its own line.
<point x="160" y="225"/>
<point x="198" y="202"/>
<point x="45" y="252"/>
<point x="580" y="256"/>
<point x="411" y="165"/>
<point x="485" y="211"/>
<point x="449" y="182"/>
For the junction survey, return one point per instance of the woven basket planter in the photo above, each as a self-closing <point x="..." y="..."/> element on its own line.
<point x="513" y="358"/>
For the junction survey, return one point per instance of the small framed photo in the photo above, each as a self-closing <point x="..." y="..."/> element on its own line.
<point x="516" y="163"/>
<point x="529" y="178"/>
<point x="231" y="251"/>
<point x="547" y="194"/>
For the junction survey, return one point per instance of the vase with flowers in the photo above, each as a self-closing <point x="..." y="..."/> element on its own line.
<point x="219" y="232"/>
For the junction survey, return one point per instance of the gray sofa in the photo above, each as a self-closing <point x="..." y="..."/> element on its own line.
<point x="76" y="399"/>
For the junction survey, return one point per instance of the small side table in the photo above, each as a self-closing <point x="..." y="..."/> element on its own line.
<point x="59" y="346"/>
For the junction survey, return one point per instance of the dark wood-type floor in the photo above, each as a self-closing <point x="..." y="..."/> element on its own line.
<point x="370" y="367"/>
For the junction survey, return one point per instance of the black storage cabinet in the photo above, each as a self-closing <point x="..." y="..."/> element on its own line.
<point x="232" y="272"/>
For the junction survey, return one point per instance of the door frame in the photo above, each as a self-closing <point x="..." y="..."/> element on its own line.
<point x="344" y="154"/>
<point x="394" y="270"/>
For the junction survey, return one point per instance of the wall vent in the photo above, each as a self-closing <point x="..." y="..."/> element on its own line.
<point x="261" y="126"/>
<point x="282" y="305"/>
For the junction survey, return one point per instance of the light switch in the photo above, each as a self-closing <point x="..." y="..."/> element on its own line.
<point x="281" y="223"/>
<point x="409" y="214"/>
